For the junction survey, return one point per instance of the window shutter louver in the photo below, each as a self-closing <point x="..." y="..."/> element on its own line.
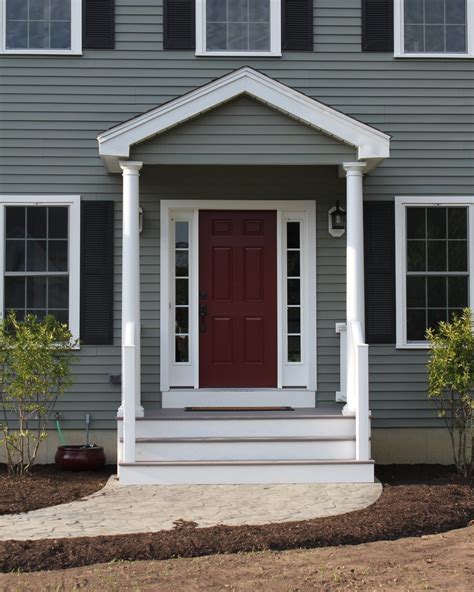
<point x="97" y="261"/>
<point x="179" y="31"/>
<point x="297" y="25"/>
<point x="377" y="25"/>
<point x="98" y="24"/>
<point x="379" y="251"/>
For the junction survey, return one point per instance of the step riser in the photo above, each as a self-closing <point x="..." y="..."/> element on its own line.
<point x="242" y="474"/>
<point x="152" y="451"/>
<point x="244" y="398"/>
<point x="241" y="428"/>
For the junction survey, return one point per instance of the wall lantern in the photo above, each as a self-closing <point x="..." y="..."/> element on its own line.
<point x="140" y="219"/>
<point x="337" y="221"/>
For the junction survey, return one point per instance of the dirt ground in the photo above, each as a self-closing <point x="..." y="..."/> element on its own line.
<point x="48" y="486"/>
<point x="434" y="562"/>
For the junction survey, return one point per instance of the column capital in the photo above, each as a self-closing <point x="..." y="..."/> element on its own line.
<point x="354" y="168"/>
<point x="130" y="167"/>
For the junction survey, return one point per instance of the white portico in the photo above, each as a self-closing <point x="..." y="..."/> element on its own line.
<point x="300" y="445"/>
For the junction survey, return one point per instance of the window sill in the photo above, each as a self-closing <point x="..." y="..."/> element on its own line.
<point x="423" y="345"/>
<point x="41" y="52"/>
<point x="239" y="54"/>
<point x="435" y="56"/>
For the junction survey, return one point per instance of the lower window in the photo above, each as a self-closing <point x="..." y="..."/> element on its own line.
<point x="434" y="274"/>
<point x="41" y="260"/>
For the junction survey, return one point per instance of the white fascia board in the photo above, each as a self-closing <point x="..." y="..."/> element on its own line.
<point x="371" y="144"/>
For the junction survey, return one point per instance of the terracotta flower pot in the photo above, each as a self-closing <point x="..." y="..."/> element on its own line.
<point x="80" y="458"/>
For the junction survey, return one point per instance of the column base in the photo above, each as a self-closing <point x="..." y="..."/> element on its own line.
<point x="346" y="410"/>
<point x="139" y="411"/>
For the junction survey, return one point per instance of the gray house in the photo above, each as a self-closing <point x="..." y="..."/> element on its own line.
<point x="249" y="212"/>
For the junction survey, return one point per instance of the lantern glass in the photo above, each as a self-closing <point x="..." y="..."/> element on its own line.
<point x="338" y="218"/>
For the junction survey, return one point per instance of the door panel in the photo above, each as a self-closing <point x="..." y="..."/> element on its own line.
<point x="238" y="299"/>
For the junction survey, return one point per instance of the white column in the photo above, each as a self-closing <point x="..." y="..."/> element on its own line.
<point x="354" y="269"/>
<point x="131" y="266"/>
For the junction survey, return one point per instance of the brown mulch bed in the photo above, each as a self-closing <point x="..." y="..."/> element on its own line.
<point x="436" y="562"/>
<point x="48" y="486"/>
<point x="417" y="500"/>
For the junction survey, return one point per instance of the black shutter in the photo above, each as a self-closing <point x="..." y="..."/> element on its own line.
<point x="179" y="31"/>
<point x="97" y="262"/>
<point x="379" y="249"/>
<point x="98" y="24"/>
<point x="377" y="25"/>
<point x="297" y="25"/>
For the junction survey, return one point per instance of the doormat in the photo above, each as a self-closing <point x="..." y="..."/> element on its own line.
<point x="276" y="408"/>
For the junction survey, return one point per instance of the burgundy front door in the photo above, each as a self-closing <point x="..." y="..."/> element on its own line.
<point x="238" y="299"/>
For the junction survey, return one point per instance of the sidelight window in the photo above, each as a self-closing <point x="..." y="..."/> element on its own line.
<point x="293" y="290"/>
<point x="182" y="277"/>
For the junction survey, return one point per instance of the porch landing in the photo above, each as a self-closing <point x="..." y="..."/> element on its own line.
<point x="150" y="508"/>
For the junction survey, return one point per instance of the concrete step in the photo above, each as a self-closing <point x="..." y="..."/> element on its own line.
<point x="246" y="471"/>
<point x="245" y="448"/>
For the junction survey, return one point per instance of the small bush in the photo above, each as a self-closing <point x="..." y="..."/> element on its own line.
<point x="35" y="363"/>
<point x="451" y="382"/>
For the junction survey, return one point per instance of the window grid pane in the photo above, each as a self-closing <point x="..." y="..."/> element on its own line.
<point x="181" y="291"/>
<point x="435" y="26"/>
<point x="238" y="25"/>
<point x="36" y="265"/>
<point x="38" y="24"/>
<point x="437" y="283"/>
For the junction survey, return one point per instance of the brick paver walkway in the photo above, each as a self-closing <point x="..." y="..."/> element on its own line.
<point x="120" y="509"/>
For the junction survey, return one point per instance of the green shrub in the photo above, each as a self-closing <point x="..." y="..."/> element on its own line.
<point x="451" y="382"/>
<point x="35" y="363"/>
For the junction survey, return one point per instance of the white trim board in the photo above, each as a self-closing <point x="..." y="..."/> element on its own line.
<point x="74" y="244"/>
<point x="400" y="256"/>
<point x="372" y="145"/>
<point x="302" y="375"/>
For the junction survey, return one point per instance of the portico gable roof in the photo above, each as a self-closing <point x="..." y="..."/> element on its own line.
<point x="372" y="145"/>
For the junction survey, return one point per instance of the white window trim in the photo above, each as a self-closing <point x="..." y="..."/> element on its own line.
<point x="76" y="34"/>
<point x="399" y="35"/>
<point x="74" y="251"/>
<point x="302" y="374"/>
<point x="400" y="256"/>
<point x="275" y="34"/>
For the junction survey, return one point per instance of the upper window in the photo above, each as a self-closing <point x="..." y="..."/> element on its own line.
<point x="434" y="266"/>
<point x="41" y="26"/>
<point x="238" y="27"/>
<point x="41" y="259"/>
<point x="434" y="28"/>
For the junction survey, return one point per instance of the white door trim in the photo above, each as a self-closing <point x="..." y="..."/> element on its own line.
<point x="189" y="209"/>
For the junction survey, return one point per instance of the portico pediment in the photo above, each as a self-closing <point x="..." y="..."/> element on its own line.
<point x="370" y="145"/>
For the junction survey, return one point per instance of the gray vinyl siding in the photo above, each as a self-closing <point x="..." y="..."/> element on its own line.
<point x="243" y="132"/>
<point x="52" y="108"/>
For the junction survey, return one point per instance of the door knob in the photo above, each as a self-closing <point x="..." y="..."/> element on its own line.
<point x="202" y="318"/>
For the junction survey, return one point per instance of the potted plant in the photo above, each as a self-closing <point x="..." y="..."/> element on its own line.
<point x="79" y="457"/>
<point x="35" y="369"/>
